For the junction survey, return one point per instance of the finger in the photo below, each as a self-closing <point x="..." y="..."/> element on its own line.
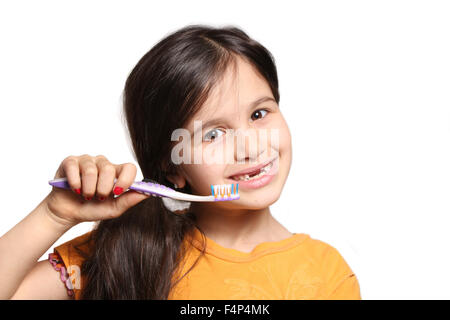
<point x="89" y="173"/>
<point x="124" y="202"/>
<point x="106" y="175"/>
<point x="126" y="174"/>
<point x="70" y="169"/>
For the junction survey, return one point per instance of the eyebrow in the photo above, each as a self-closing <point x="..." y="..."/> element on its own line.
<point x="215" y="121"/>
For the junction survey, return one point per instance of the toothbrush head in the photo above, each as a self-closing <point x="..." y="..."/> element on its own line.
<point x="220" y="192"/>
<point x="225" y="192"/>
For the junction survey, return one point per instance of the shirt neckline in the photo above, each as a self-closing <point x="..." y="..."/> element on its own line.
<point x="234" y="255"/>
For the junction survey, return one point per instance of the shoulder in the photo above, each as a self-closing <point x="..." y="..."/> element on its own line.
<point x="326" y="263"/>
<point x="59" y="276"/>
<point x="322" y="253"/>
<point x="68" y="259"/>
<point x="76" y="250"/>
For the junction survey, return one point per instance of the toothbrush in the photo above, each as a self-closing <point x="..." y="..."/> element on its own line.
<point x="220" y="192"/>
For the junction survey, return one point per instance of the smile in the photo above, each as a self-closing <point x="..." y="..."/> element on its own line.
<point x="253" y="175"/>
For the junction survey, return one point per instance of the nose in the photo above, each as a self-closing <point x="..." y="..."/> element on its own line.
<point x="249" y="145"/>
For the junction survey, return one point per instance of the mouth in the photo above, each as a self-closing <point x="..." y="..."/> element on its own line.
<point x="254" y="174"/>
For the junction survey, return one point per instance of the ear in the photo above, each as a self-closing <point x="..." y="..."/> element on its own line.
<point x="174" y="175"/>
<point x="178" y="180"/>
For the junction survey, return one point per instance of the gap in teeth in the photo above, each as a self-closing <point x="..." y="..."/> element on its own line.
<point x="262" y="172"/>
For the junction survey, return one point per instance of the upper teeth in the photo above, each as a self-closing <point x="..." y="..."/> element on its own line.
<point x="247" y="177"/>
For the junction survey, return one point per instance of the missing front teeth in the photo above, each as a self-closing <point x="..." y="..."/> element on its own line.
<point x="247" y="177"/>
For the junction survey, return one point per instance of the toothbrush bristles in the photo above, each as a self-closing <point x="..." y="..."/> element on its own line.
<point x="223" y="192"/>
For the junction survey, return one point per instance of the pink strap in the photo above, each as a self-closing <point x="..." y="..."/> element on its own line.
<point x="58" y="264"/>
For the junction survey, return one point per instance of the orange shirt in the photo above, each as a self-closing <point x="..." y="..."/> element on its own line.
<point x="295" y="268"/>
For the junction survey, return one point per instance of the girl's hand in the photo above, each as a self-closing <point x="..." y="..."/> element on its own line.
<point x="92" y="183"/>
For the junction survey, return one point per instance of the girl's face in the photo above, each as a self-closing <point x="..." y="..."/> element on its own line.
<point x="235" y="117"/>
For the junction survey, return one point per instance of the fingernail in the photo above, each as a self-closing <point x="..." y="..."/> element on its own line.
<point x="78" y="191"/>
<point x="117" y="190"/>
<point x="101" y="198"/>
<point x="88" y="198"/>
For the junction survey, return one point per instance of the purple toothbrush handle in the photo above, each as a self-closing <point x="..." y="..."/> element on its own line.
<point x="62" y="183"/>
<point x="59" y="184"/>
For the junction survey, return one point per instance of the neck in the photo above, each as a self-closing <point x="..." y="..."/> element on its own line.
<point x="235" y="228"/>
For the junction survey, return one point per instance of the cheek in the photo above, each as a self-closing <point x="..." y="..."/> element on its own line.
<point x="285" y="140"/>
<point x="282" y="140"/>
<point x="286" y="149"/>
<point x="202" y="176"/>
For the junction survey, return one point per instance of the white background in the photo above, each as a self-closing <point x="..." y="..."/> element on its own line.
<point x="365" y="88"/>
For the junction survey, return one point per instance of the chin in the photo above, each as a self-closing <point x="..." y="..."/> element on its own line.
<point x="256" y="199"/>
<point x="263" y="202"/>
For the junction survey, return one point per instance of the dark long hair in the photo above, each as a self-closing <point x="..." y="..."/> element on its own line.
<point x="137" y="255"/>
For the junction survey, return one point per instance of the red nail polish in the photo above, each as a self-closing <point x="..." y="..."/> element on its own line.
<point x="101" y="198"/>
<point x="88" y="198"/>
<point x="117" y="190"/>
<point x="78" y="191"/>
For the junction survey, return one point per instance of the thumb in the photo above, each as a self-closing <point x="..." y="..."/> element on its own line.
<point x="127" y="200"/>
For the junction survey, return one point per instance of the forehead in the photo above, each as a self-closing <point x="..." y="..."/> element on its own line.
<point x="240" y="85"/>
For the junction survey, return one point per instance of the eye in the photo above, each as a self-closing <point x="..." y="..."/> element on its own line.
<point x="212" y="135"/>
<point x="261" y="113"/>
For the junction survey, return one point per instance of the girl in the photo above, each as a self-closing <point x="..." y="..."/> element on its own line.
<point x="142" y="248"/>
